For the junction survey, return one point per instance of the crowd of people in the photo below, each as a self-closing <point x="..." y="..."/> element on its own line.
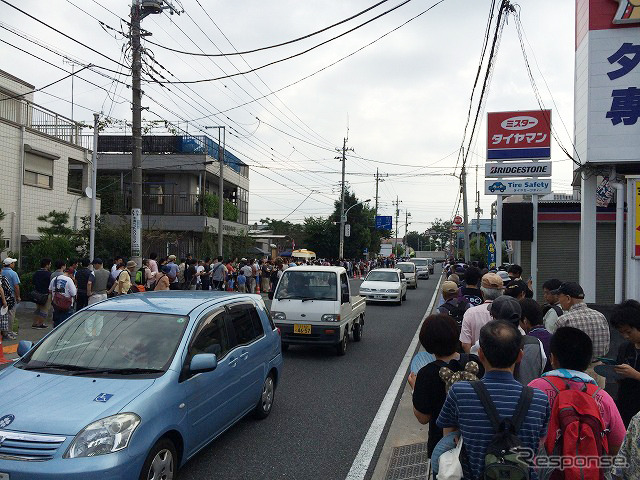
<point x="510" y="371"/>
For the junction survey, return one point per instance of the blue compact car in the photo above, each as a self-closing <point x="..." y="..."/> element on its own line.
<point x="133" y="387"/>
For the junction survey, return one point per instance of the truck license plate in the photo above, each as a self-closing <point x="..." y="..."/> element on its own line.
<point x="297" y="328"/>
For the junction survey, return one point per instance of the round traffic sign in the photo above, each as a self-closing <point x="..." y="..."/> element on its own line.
<point x="457" y="220"/>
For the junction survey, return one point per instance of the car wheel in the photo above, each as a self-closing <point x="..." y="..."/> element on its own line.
<point x="284" y="346"/>
<point x="265" y="403"/>
<point x="404" y="297"/>
<point x="357" y="331"/>
<point x="399" y="302"/>
<point x="161" y="462"/>
<point x="341" y="349"/>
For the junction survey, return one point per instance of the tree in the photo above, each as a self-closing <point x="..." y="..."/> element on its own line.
<point x="321" y="236"/>
<point x="441" y="234"/>
<point x="294" y="231"/>
<point x="57" y="224"/>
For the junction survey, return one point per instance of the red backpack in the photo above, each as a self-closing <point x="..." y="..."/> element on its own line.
<point x="576" y="429"/>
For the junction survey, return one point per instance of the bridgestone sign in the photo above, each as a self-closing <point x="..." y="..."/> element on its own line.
<point x="501" y="170"/>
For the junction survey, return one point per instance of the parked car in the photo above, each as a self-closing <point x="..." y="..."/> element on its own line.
<point x="410" y="273"/>
<point x="135" y="386"/>
<point x="422" y="267"/>
<point x="384" y="285"/>
<point x="314" y="305"/>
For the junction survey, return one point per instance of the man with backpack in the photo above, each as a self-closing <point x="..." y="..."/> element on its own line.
<point x="453" y="306"/>
<point x="585" y="421"/>
<point x="63" y="291"/>
<point x="551" y="309"/>
<point x="218" y="274"/>
<point x="497" y="414"/>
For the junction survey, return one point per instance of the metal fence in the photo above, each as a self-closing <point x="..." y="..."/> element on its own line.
<point x="163" y="204"/>
<point x="41" y="119"/>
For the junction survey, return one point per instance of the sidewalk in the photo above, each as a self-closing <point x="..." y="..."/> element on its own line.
<point x="24" y="314"/>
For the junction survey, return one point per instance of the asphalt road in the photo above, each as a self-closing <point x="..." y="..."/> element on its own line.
<point x="324" y="404"/>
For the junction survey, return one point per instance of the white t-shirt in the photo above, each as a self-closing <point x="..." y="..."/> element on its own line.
<point x="62" y="281"/>
<point x="246" y="270"/>
<point x="199" y="269"/>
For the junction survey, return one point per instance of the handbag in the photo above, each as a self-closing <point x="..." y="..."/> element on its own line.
<point x="449" y="465"/>
<point x="39" y="298"/>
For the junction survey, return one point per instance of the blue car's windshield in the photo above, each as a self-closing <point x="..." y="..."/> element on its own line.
<point x="107" y="340"/>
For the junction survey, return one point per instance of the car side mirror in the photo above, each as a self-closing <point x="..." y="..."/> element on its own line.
<point x="23" y="347"/>
<point x="203" y="362"/>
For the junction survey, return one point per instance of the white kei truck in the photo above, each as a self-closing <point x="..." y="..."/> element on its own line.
<point x="313" y="305"/>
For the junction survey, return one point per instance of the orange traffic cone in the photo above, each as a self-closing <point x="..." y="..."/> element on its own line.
<point x="3" y="359"/>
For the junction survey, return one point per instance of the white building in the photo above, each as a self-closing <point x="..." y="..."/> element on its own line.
<point x="44" y="166"/>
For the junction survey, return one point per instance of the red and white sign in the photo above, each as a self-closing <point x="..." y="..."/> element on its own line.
<point x="457" y="220"/>
<point x="519" y="135"/>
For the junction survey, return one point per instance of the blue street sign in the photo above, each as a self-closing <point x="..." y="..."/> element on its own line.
<point x="365" y="251"/>
<point x="384" y="222"/>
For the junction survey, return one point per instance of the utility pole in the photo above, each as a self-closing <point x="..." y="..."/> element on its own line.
<point x="478" y="212"/>
<point x="465" y="208"/>
<point x="342" y="216"/>
<point x="378" y="180"/>
<point x="406" y="225"/>
<point x="68" y="61"/>
<point x="94" y="180"/>
<point x="138" y="12"/>
<point x="221" y="147"/>
<point x="395" y="238"/>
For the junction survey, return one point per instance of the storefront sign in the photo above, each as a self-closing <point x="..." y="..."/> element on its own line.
<point x="517" y="187"/>
<point x="519" y="135"/>
<point x="519" y="169"/>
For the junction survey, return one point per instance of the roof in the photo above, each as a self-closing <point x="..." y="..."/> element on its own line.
<point x="387" y="269"/>
<point x="316" y="268"/>
<point x="172" y="302"/>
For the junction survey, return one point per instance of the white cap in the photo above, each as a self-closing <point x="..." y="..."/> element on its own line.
<point x="9" y="260"/>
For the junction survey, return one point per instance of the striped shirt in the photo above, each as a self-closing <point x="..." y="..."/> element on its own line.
<point x="591" y="322"/>
<point x="463" y="409"/>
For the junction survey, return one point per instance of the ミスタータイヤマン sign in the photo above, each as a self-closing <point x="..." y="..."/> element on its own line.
<point x="520" y="169"/>
<point x="532" y="186"/>
<point x="519" y="135"/>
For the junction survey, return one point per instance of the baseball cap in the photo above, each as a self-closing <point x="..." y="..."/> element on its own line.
<point x="172" y="258"/>
<point x="492" y="280"/>
<point x="9" y="261"/>
<point x="515" y="288"/>
<point x="506" y="308"/>
<point x="131" y="264"/>
<point x="572" y="289"/>
<point x="449" y="287"/>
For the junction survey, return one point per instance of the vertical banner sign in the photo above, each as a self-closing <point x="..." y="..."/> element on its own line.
<point x="491" y="252"/>
<point x="347" y="230"/>
<point x="136" y="232"/>
<point x="637" y="223"/>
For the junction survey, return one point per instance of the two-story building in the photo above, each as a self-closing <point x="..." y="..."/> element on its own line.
<point x="44" y="166"/>
<point x="180" y="191"/>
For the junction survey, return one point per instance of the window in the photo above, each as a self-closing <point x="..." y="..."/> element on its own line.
<point x="75" y="178"/>
<point x="38" y="171"/>
<point x="344" y="285"/>
<point x="211" y="337"/>
<point x="244" y="324"/>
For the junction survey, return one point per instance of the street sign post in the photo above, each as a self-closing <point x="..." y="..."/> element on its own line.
<point x="136" y="232"/>
<point x="517" y="169"/>
<point x="519" y="135"/>
<point x="347" y="230"/>
<point x="457" y="220"/>
<point x="517" y="187"/>
<point x="384" y="222"/>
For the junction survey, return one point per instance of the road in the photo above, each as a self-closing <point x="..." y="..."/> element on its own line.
<point x="324" y="404"/>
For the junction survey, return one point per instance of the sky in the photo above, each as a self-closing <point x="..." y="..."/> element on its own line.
<point x="402" y="101"/>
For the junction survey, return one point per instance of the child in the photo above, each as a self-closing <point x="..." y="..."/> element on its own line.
<point x="626" y="319"/>
<point x="242" y="282"/>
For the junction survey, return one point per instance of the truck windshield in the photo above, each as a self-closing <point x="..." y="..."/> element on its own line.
<point x="420" y="262"/>
<point x="376" y="276"/>
<point x="300" y="285"/>
<point x="109" y="342"/>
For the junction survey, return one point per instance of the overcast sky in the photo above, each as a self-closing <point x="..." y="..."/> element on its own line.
<point x="404" y="98"/>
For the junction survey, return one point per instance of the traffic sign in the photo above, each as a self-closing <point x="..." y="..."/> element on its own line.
<point x="457" y="220"/>
<point x="384" y="222"/>
<point x="519" y="169"/>
<point x="517" y="187"/>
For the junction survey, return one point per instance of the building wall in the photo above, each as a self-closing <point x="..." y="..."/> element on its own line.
<point x="36" y="201"/>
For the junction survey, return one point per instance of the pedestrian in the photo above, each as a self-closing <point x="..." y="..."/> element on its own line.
<point x="40" y="295"/>
<point x="476" y="317"/>
<point x="142" y="276"/>
<point x="531" y="324"/>
<point x="174" y="283"/>
<point x="246" y="269"/>
<point x="190" y="275"/>
<point x="551" y="309"/>
<point x="515" y="273"/>
<point x="162" y="279"/>
<point x="122" y="285"/>
<point x="8" y="301"/>
<point x="242" y="281"/>
<point x="471" y="408"/>
<point x="199" y="273"/>
<point x="218" y="274"/>
<point x="265" y="273"/>
<point x="97" y="285"/>
<point x="453" y="305"/>
<point x="592" y="322"/>
<point x="580" y="410"/>
<point x="439" y="336"/>
<point x="116" y="262"/>
<point x="205" y="278"/>
<point x="82" y="278"/>
<point x="471" y="290"/>
<point x="627" y="462"/>
<point x="626" y="319"/>
<point x="153" y="265"/>
<point x="60" y="267"/>
<point x="12" y="277"/>
<point x="516" y="289"/>
<point x="63" y="291"/>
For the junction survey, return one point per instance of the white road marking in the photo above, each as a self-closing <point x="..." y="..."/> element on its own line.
<point x="369" y="444"/>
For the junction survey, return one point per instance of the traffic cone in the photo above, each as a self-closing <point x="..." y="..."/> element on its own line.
<point x="3" y="359"/>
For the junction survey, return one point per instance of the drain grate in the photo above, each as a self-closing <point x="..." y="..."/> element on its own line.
<point x="409" y="462"/>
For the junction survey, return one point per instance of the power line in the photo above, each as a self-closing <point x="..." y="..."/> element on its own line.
<point x="304" y="37"/>
<point x="46" y="86"/>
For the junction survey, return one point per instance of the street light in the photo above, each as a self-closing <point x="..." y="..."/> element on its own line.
<point x="343" y="220"/>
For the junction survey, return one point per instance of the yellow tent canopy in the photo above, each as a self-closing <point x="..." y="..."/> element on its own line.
<point x="303" y="253"/>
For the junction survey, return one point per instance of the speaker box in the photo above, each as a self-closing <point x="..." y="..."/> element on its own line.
<point x="517" y="221"/>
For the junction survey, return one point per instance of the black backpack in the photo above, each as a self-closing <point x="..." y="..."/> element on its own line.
<point x="456" y="311"/>
<point x="548" y="306"/>
<point x="501" y="461"/>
